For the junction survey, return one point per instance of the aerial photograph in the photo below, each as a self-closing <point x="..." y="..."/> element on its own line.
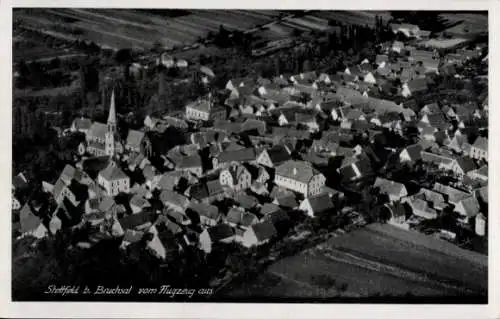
<point x="249" y="156"/>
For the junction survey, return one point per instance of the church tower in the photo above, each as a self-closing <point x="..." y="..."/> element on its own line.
<point x="111" y="127"/>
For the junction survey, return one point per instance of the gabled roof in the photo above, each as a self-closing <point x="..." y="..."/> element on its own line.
<point x="139" y="201"/>
<point x="245" y="201"/>
<point x="264" y="231"/>
<point x="481" y="143"/>
<point x="454" y="195"/>
<point x="67" y="174"/>
<point x="482" y="193"/>
<point x="417" y="85"/>
<point x="106" y="204"/>
<point x="170" y="197"/>
<point x="242" y="155"/>
<point x="135" y="220"/>
<point x="132" y="236"/>
<point x="470" y="205"/>
<point x="28" y="220"/>
<point x="389" y="187"/>
<point x="269" y="208"/>
<point x="297" y="170"/>
<point x="82" y="123"/>
<point x="169" y="180"/>
<point x="320" y="203"/>
<point x="278" y="154"/>
<point x="190" y="161"/>
<point x="134" y="138"/>
<point x="465" y="163"/>
<point x="163" y="222"/>
<point x="287" y="201"/>
<point x="200" y="105"/>
<point x="220" y="232"/>
<point x="112" y="172"/>
<point x="209" y="211"/>
<point x="58" y="188"/>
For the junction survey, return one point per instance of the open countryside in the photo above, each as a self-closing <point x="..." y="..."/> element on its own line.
<point x="378" y="255"/>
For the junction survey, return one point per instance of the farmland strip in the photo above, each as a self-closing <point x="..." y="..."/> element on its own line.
<point x="106" y="17"/>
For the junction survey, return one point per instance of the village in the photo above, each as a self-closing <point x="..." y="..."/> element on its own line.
<point x="279" y="154"/>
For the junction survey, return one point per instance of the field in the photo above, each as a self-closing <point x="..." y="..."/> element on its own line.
<point x="139" y="28"/>
<point x="376" y="260"/>
<point x="143" y="29"/>
<point x="466" y="24"/>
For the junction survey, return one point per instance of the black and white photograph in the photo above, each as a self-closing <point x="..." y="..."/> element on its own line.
<point x="249" y="156"/>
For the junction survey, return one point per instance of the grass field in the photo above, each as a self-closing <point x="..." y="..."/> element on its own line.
<point x="466" y="24"/>
<point x="376" y="260"/>
<point x="142" y="29"/>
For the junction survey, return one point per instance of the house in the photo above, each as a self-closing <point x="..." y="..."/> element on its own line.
<point x="421" y="208"/>
<point x="163" y="221"/>
<point x="397" y="213"/>
<point x="397" y="46"/>
<point x="480" y="227"/>
<point x="31" y="225"/>
<point x="221" y="233"/>
<point x="191" y="163"/>
<point x="137" y="160"/>
<point x="381" y="60"/>
<point x="434" y="199"/>
<point x="353" y="168"/>
<point x="19" y="182"/>
<point x="203" y="110"/>
<point x="81" y="124"/>
<point x="479" y="174"/>
<point x="285" y="201"/>
<point x="479" y="150"/>
<point x="468" y="208"/>
<point x="394" y="190"/>
<point x="238" y="217"/>
<point x="300" y="177"/>
<point x="236" y="176"/>
<point x="209" y="214"/>
<point x="462" y="165"/>
<point x="273" y="157"/>
<point x="113" y="180"/>
<point x="459" y="144"/>
<point x="138" y="204"/>
<point x="409" y="30"/>
<point x="317" y="205"/>
<point x="259" y="234"/>
<point x="206" y="192"/>
<point x="442" y="161"/>
<point x="130" y="237"/>
<point x="137" y="141"/>
<point x="414" y="86"/>
<point x="139" y="222"/>
<point x="233" y="84"/>
<point x="239" y="156"/>
<point x="454" y="196"/>
<point x="174" y="201"/>
<point x="162" y="243"/>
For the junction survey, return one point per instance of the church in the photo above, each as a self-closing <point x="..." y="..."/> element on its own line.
<point x="103" y="139"/>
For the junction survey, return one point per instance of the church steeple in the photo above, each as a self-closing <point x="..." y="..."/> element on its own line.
<point x="111" y="125"/>
<point x="112" y="111"/>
